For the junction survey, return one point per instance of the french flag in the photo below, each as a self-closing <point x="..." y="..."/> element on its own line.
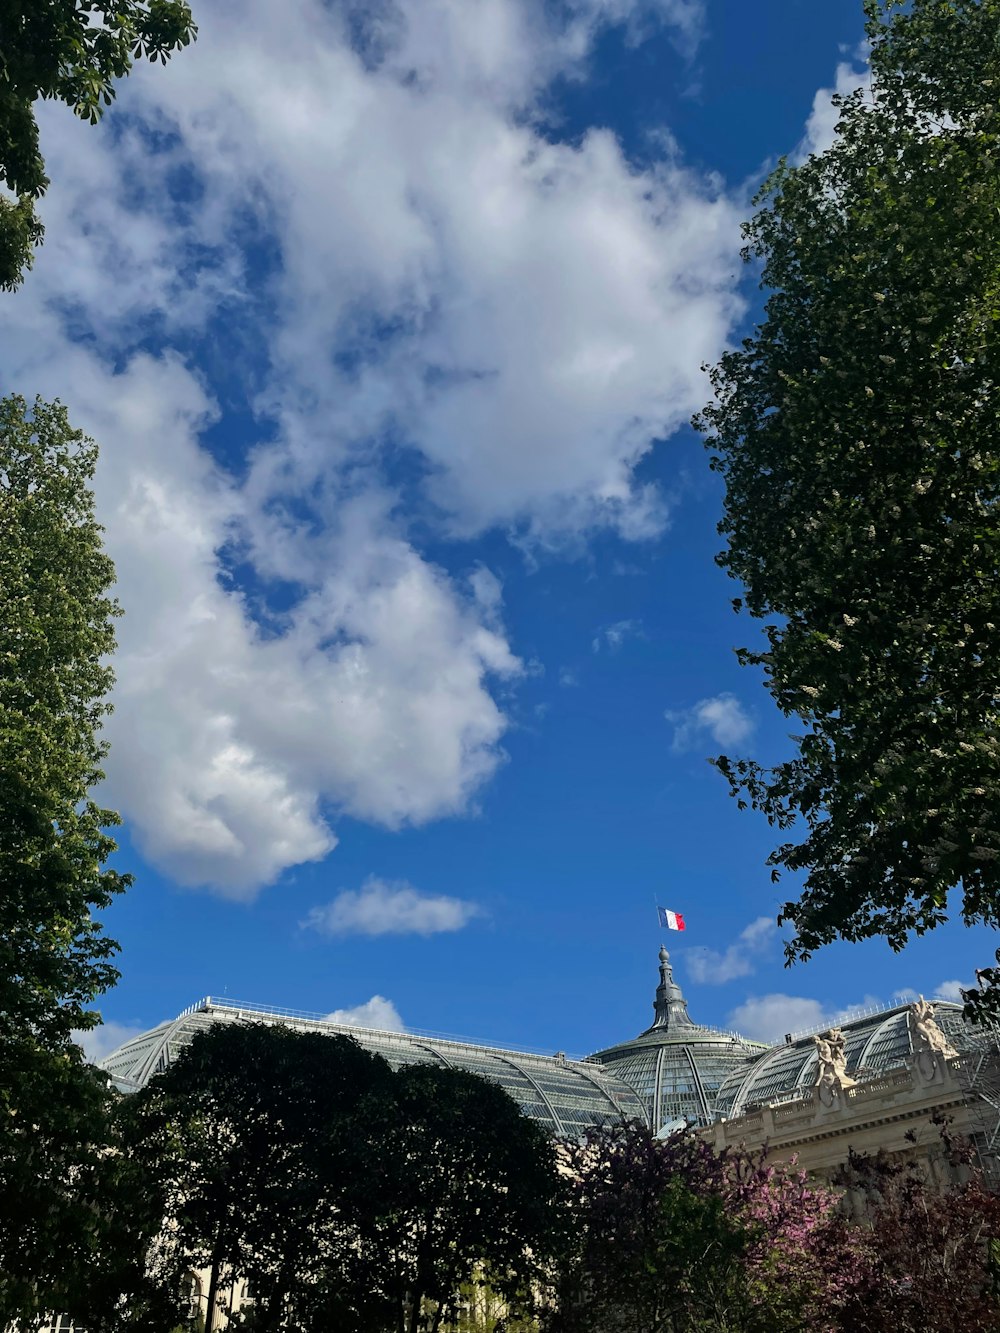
<point x="672" y="920"/>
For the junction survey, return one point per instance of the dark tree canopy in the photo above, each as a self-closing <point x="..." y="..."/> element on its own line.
<point x="347" y="1195"/>
<point x="469" y="1193"/>
<point x="72" y="51"/>
<point x="253" y="1144"/>
<point x="57" y="1181"/>
<point x="858" y="434"/>
<point x="929" y="1260"/>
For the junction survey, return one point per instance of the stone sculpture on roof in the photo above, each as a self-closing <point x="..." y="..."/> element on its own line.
<point x="925" y="1033"/>
<point x="831" y="1065"/>
<point x="931" y="1048"/>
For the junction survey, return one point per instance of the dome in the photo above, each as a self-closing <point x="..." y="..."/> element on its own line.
<point x="677" y="1066"/>
<point x="567" y="1096"/>
<point x="872" y="1042"/>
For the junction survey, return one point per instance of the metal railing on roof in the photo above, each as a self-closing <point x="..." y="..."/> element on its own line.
<point x="305" y="1016"/>
<point x="848" y="1016"/>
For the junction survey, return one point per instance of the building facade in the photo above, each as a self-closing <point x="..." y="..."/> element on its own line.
<point x="882" y="1082"/>
<point x="887" y="1082"/>
<point x="678" y="1072"/>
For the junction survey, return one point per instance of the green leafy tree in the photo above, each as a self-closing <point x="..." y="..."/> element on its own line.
<point x="468" y="1197"/>
<point x="345" y="1195"/>
<point x="72" y="51"/>
<point x="56" y="631"/>
<point x="252" y="1143"/>
<point x="858" y="435"/>
<point x="53" y="1137"/>
<point x="56" y="634"/>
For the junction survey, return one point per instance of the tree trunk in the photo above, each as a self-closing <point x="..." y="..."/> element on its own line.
<point x="213" y="1284"/>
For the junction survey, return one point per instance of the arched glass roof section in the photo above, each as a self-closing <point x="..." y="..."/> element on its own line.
<point x="567" y="1096"/>
<point x="677" y="1066"/>
<point x="872" y="1043"/>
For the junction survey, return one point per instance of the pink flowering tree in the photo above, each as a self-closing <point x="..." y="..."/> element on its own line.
<point x="931" y="1258"/>
<point x="670" y="1237"/>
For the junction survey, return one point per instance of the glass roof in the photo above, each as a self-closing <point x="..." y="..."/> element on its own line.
<point x="872" y="1043"/>
<point x="677" y="1066"/>
<point x="567" y="1096"/>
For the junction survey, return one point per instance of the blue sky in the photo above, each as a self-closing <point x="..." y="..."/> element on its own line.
<point x="389" y="320"/>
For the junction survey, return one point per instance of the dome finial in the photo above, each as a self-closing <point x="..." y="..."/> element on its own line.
<point x="670" y="1006"/>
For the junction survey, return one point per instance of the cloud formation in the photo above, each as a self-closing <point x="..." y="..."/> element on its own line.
<point x="952" y="990"/>
<point x="822" y="122"/>
<point x="769" y="1017"/>
<point x="378" y="1012"/>
<point x="100" y="1042"/>
<point x="305" y="251"/>
<point x="721" y="718"/>
<point x="390" y="907"/>
<point x="611" y="637"/>
<point x="740" y="959"/>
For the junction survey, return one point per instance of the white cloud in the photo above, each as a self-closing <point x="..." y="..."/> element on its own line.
<point x="822" y="122"/>
<point x="613" y="636"/>
<point x="525" y="316"/>
<point x="948" y="990"/>
<point x="739" y="959"/>
<point x="770" y="1017"/>
<point x="550" y="306"/>
<point x="723" y="718"/>
<point x="227" y="741"/>
<point x="952" y="990"/>
<point x="378" y="1012"/>
<point x="100" y="1042"/>
<point x="383" y="907"/>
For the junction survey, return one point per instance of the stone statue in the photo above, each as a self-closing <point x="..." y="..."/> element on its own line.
<point x="831" y="1065"/>
<point x="925" y="1035"/>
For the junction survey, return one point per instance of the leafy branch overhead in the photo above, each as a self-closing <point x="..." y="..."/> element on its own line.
<point x="857" y="432"/>
<point x="72" y="51"/>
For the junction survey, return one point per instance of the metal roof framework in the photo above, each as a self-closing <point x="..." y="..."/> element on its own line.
<point x="569" y="1098"/>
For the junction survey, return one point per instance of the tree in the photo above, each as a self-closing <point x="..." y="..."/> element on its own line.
<point x="468" y="1194"/>
<point x="73" y="51"/>
<point x="668" y="1237"/>
<point x="58" y="1195"/>
<point x="931" y="1257"/>
<point x="858" y="436"/>
<point x="253" y="1145"/>
<point x="56" y="631"/>
<point x="345" y="1195"/>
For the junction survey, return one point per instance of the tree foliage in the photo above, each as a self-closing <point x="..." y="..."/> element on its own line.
<point x="469" y="1196"/>
<point x="858" y="435"/>
<point x="930" y="1259"/>
<point x="56" y="630"/>
<point x="346" y="1195"/>
<point x="72" y="51"/>
<point x="63" y="1235"/>
<point x="668" y="1237"/>
<point x="252" y="1144"/>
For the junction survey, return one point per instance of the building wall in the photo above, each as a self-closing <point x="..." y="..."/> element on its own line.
<point x="895" y="1112"/>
